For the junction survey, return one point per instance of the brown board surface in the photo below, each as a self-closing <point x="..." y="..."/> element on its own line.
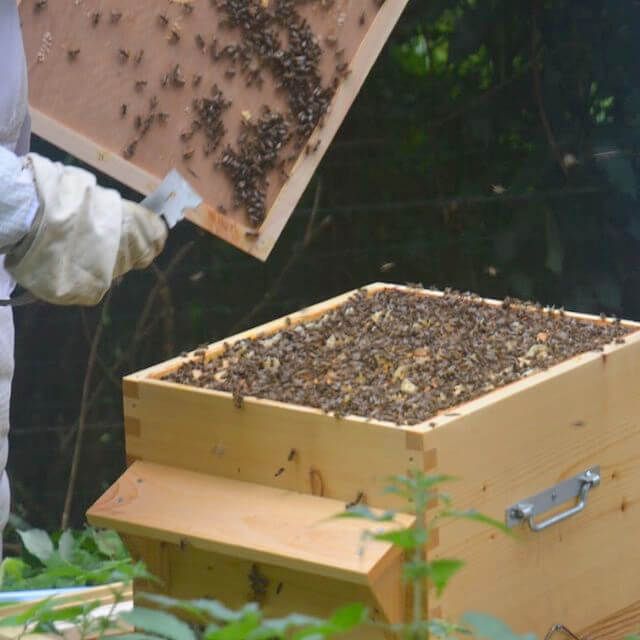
<point x="104" y="75"/>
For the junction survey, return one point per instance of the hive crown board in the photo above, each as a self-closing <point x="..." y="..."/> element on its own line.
<point x="99" y="68"/>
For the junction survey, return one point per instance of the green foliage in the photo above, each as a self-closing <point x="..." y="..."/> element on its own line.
<point x="485" y="627"/>
<point x="248" y="623"/>
<point x="84" y="558"/>
<point x="44" y="617"/>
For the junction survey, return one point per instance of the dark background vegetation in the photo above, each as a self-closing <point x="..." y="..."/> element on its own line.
<point x="494" y="148"/>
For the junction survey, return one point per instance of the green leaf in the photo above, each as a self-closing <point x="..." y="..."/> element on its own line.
<point x="37" y="543"/>
<point x="238" y="630"/>
<point x="12" y="570"/>
<point x="404" y="538"/>
<point x="490" y="628"/>
<point x="348" y="617"/>
<point x="110" y="544"/>
<point x="476" y="516"/>
<point x="159" y="623"/>
<point x="66" y="546"/>
<point x="205" y="610"/>
<point x="363" y="512"/>
<point x="343" y="620"/>
<point x="442" y="570"/>
<point x="33" y="613"/>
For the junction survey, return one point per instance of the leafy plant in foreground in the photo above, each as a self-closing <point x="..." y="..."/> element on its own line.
<point x="85" y="558"/>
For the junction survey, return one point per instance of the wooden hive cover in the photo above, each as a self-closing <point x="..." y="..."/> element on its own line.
<point x="85" y="63"/>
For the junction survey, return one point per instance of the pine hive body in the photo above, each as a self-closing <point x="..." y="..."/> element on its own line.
<point x="504" y="447"/>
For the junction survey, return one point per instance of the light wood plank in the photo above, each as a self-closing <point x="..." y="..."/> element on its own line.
<point x="617" y="626"/>
<point x="242" y="520"/>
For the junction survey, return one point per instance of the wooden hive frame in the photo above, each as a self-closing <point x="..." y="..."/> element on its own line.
<point x="504" y="446"/>
<point x="107" y="158"/>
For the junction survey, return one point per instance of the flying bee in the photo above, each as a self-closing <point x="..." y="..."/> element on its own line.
<point x="188" y="154"/>
<point x="40" y="5"/>
<point x="163" y="19"/>
<point x="115" y="17"/>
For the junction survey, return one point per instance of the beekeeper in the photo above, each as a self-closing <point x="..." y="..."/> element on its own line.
<point x="62" y="238"/>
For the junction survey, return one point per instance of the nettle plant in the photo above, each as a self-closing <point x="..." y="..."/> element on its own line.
<point x="165" y="618"/>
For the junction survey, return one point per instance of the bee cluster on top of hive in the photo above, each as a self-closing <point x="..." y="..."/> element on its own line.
<point x="399" y="355"/>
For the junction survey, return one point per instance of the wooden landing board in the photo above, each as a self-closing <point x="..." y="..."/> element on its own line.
<point x="77" y="101"/>
<point x="243" y="520"/>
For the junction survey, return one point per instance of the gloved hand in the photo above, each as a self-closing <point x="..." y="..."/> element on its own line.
<point x="83" y="237"/>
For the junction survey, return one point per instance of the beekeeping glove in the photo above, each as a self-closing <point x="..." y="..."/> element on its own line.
<point x="83" y="237"/>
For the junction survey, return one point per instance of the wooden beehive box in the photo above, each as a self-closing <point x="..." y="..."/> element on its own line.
<point x="207" y="505"/>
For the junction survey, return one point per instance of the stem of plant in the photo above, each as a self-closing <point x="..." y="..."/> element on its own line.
<point x="419" y="585"/>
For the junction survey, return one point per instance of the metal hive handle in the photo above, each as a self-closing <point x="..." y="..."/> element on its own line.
<point x="577" y="487"/>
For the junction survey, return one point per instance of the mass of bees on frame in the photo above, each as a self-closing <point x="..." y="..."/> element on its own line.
<point x="272" y="43"/>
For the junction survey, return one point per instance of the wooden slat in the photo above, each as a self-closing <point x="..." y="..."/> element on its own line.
<point x="241" y="520"/>
<point x="616" y="626"/>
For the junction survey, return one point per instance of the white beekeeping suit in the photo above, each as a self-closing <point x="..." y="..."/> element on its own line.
<point x="62" y="237"/>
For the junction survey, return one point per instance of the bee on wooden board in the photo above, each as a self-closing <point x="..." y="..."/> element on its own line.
<point x="40" y="5"/>
<point x="72" y="54"/>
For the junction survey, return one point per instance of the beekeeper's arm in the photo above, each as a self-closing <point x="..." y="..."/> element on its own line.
<point x="65" y="238"/>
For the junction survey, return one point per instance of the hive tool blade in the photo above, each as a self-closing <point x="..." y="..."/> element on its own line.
<point x="172" y="198"/>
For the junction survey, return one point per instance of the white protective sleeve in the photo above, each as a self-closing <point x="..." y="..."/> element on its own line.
<point x="84" y="236"/>
<point x="18" y="199"/>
